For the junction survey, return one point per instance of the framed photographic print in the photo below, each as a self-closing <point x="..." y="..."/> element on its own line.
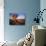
<point x="17" y="19"/>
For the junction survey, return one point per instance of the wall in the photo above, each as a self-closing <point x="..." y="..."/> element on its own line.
<point x="1" y="21"/>
<point x="29" y="8"/>
<point x="43" y="6"/>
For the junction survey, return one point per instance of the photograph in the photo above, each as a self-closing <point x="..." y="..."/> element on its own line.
<point x="16" y="19"/>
